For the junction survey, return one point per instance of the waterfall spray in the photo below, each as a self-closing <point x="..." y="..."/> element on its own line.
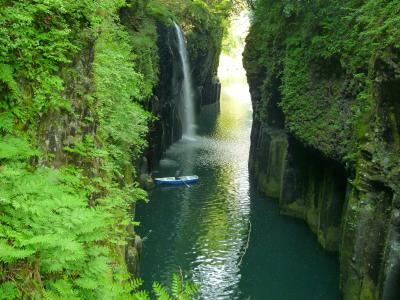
<point x="187" y="98"/>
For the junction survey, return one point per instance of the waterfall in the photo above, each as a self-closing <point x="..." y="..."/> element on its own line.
<point x="187" y="99"/>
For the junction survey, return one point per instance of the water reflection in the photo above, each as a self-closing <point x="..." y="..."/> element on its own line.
<point x="203" y="229"/>
<point x="205" y="225"/>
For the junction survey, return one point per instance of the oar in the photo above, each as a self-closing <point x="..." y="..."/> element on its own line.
<point x="185" y="183"/>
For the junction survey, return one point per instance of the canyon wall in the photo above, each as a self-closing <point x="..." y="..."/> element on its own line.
<point x="325" y="137"/>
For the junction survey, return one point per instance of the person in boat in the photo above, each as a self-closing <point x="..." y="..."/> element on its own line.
<point x="177" y="174"/>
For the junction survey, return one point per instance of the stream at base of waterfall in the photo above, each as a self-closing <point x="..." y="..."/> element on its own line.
<point x="221" y="233"/>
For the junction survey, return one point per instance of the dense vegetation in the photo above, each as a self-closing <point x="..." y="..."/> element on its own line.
<point x="74" y="78"/>
<point x="325" y="75"/>
<point x="325" y="55"/>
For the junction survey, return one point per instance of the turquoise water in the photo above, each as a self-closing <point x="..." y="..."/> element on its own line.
<point x="221" y="233"/>
<point x="204" y="230"/>
<point x="284" y="260"/>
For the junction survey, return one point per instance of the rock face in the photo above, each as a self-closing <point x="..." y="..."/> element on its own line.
<point x="58" y="129"/>
<point x="307" y="184"/>
<point x="353" y="211"/>
<point x="165" y="104"/>
<point x="325" y="158"/>
<point x="204" y="69"/>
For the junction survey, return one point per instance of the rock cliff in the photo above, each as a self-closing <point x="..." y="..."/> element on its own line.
<point x="325" y="137"/>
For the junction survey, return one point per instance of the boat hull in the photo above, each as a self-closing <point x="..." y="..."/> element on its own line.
<point x="183" y="180"/>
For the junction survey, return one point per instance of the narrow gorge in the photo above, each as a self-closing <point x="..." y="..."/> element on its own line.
<point x="287" y="111"/>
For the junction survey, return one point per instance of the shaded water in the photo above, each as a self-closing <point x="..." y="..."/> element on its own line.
<point x="205" y="230"/>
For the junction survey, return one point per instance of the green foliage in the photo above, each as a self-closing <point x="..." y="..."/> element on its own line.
<point x="9" y="291"/>
<point x="74" y="77"/>
<point x="180" y="290"/>
<point x="62" y="230"/>
<point x="49" y="230"/>
<point x="204" y="21"/>
<point x="160" y="291"/>
<point x="53" y="26"/>
<point x="13" y="148"/>
<point x="123" y="123"/>
<point x="6" y="122"/>
<point x="159" y="11"/>
<point x="211" y="17"/>
<point x="323" y="53"/>
<point x="144" y="41"/>
<point x="8" y="85"/>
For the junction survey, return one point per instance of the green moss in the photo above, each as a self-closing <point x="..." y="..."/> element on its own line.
<point x="368" y="289"/>
<point x="329" y="238"/>
<point x="357" y="289"/>
<point x="269" y="175"/>
<point x="324" y="55"/>
<point x="295" y="209"/>
<point x="312" y="218"/>
<point x="270" y="187"/>
<point x="394" y="125"/>
<point x="331" y="66"/>
<point x="351" y="290"/>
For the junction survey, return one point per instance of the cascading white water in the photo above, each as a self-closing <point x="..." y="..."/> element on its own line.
<point x="187" y="89"/>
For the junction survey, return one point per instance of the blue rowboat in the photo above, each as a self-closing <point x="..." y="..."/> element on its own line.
<point x="176" y="181"/>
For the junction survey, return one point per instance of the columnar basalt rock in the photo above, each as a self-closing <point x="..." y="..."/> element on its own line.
<point x="165" y="104"/>
<point x="341" y="177"/>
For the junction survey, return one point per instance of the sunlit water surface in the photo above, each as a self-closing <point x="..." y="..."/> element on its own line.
<point x="221" y="233"/>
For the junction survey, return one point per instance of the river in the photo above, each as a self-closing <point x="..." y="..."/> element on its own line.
<point x="221" y="233"/>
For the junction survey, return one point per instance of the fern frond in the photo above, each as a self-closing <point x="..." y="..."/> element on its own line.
<point x="161" y="292"/>
<point x="176" y="286"/>
<point x="6" y="121"/>
<point x="191" y="289"/>
<point x="7" y="76"/>
<point x="141" y="295"/>
<point x="136" y="283"/>
<point x="13" y="148"/>
<point x="8" y="291"/>
<point x="87" y="283"/>
<point x="9" y="253"/>
<point x="59" y="290"/>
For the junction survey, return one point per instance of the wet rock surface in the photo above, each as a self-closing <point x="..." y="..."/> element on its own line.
<point x="353" y="208"/>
